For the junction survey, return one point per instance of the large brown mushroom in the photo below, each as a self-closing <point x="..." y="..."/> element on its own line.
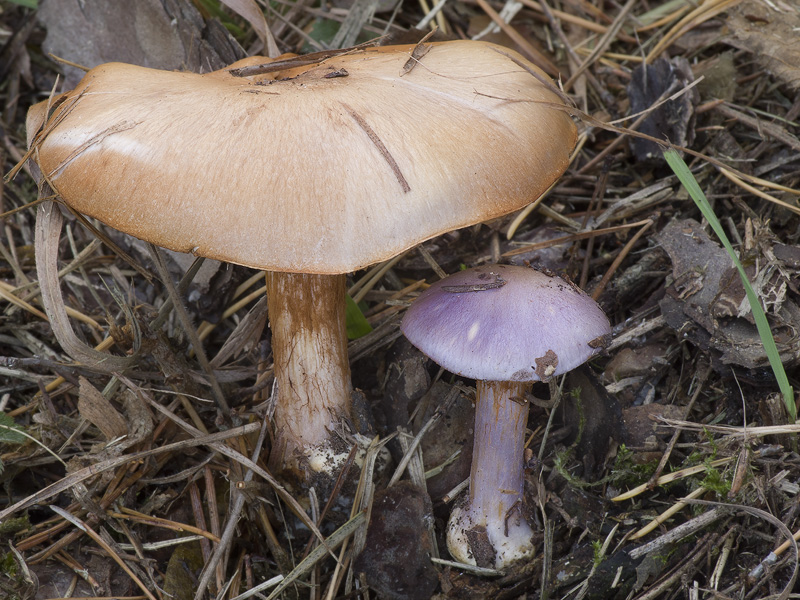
<point x="307" y="172"/>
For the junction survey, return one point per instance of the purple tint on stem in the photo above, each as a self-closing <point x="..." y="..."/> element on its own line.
<point x="490" y="529"/>
<point x="496" y="478"/>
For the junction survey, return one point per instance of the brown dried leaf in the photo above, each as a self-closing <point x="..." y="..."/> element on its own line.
<point x="702" y="291"/>
<point x="95" y="408"/>
<point x="138" y="417"/>
<point x="179" y="579"/>
<point x="769" y="32"/>
<point x="420" y="50"/>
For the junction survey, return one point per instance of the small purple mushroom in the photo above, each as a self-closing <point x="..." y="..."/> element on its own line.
<point x="504" y="326"/>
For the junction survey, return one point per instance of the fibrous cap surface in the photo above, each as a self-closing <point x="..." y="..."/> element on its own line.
<point x="321" y="169"/>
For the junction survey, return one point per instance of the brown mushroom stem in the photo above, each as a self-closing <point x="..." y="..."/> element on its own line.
<point x="309" y="345"/>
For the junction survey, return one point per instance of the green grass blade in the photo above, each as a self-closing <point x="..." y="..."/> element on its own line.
<point x="685" y="176"/>
<point x="356" y="323"/>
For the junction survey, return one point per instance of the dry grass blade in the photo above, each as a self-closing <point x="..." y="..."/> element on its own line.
<point x="430" y="15"/>
<point x="568" y="18"/>
<point x="683" y="530"/>
<point x="336" y="539"/>
<point x="584" y="235"/>
<point x="697" y="554"/>
<point x="662" y="15"/>
<point x="234" y="512"/>
<point x="205" y="329"/>
<point x="670" y="477"/>
<point x="766" y="129"/>
<point x="298" y="61"/>
<point x="183" y="316"/>
<point x="6" y="294"/>
<point x="762" y="514"/>
<point x="772" y="557"/>
<point x="132" y="515"/>
<point x="480" y="571"/>
<point x="83" y="474"/>
<point x="362" y="504"/>
<point x="441" y="410"/>
<point x="667" y="514"/>
<point x="44" y="128"/>
<point x="231" y="453"/>
<point x="701" y="14"/>
<point x="605" y="41"/>
<point x="532" y="53"/>
<point x="734" y="432"/>
<point x="250" y="11"/>
<point x="523" y="214"/>
<point x="106" y="344"/>
<point x="598" y="291"/>
<point x="7" y="291"/>
<point x="261" y="587"/>
<point x="101" y="542"/>
<point x="759" y="193"/>
<point x="359" y="289"/>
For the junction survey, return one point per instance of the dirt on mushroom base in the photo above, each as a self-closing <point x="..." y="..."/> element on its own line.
<point x="684" y="380"/>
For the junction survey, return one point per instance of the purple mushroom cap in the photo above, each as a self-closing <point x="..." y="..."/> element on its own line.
<point x="506" y="323"/>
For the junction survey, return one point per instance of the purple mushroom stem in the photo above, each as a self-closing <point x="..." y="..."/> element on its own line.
<point x="493" y="511"/>
<point x="496" y="477"/>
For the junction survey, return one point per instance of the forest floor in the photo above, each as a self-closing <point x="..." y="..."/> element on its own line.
<point x="668" y="468"/>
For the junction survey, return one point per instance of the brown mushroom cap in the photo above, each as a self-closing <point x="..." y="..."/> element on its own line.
<point x="343" y="164"/>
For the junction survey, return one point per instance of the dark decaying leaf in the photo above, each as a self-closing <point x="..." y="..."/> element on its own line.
<point x="673" y="120"/>
<point x="396" y="558"/>
<point x="183" y="567"/>
<point x="169" y="34"/>
<point x="594" y="436"/>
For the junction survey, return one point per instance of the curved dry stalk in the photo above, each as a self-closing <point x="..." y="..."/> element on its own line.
<point x="48" y="231"/>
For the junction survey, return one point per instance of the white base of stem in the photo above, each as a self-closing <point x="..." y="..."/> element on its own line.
<point x="475" y="540"/>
